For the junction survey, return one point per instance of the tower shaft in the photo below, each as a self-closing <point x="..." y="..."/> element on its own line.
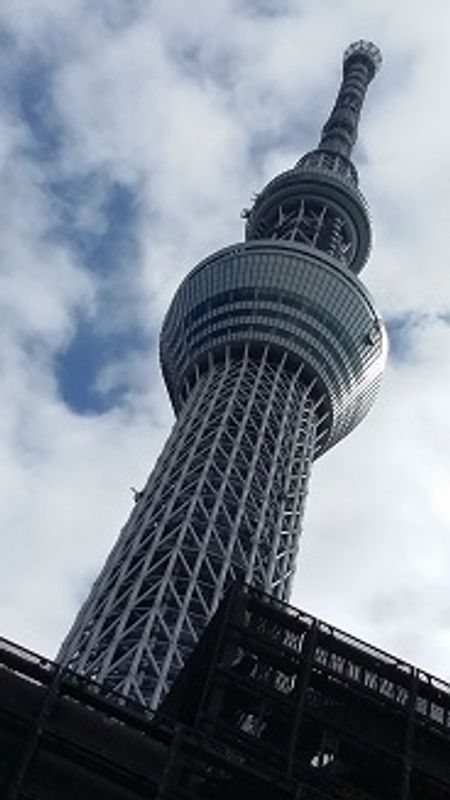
<point x="272" y="351"/>
<point x="223" y="504"/>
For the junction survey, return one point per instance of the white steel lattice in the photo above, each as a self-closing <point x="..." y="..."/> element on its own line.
<point x="224" y="502"/>
<point x="272" y="351"/>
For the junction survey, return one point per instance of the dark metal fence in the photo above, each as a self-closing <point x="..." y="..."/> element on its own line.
<point x="273" y="705"/>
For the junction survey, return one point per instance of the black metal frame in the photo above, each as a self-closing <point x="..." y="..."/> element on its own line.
<point x="273" y="704"/>
<point x="314" y="706"/>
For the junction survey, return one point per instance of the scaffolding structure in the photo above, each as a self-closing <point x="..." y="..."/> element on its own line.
<point x="273" y="704"/>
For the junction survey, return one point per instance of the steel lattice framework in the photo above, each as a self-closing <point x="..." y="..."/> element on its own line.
<point x="224" y="502"/>
<point x="272" y="351"/>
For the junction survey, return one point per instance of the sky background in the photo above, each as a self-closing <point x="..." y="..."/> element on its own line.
<point x="132" y="133"/>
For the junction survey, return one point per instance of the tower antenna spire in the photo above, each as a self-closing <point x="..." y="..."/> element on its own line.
<point x="362" y="60"/>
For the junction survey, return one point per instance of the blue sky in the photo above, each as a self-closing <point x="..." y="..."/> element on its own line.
<point x="131" y="136"/>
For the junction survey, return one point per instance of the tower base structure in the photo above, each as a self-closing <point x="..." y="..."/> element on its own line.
<point x="273" y="704"/>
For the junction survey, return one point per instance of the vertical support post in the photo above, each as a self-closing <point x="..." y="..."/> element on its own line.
<point x="409" y="738"/>
<point x="236" y="592"/>
<point x="310" y="646"/>
<point x="14" y="791"/>
<point x="168" y="775"/>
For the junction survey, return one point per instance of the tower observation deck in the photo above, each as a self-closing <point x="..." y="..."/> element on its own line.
<point x="272" y="351"/>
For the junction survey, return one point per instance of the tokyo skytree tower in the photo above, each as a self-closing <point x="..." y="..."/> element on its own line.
<point x="272" y="351"/>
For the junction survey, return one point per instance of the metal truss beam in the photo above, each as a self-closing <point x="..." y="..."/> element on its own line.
<point x="224" y="502"/>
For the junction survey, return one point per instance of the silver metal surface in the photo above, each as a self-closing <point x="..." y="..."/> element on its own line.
<point x="224" y="502"/>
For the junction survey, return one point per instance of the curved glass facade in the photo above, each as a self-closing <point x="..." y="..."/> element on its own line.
<point x="319" y="207"/>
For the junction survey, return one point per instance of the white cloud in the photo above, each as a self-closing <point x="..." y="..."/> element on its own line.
<point x="376" y="534"/>
<point x="194" y="112"/>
